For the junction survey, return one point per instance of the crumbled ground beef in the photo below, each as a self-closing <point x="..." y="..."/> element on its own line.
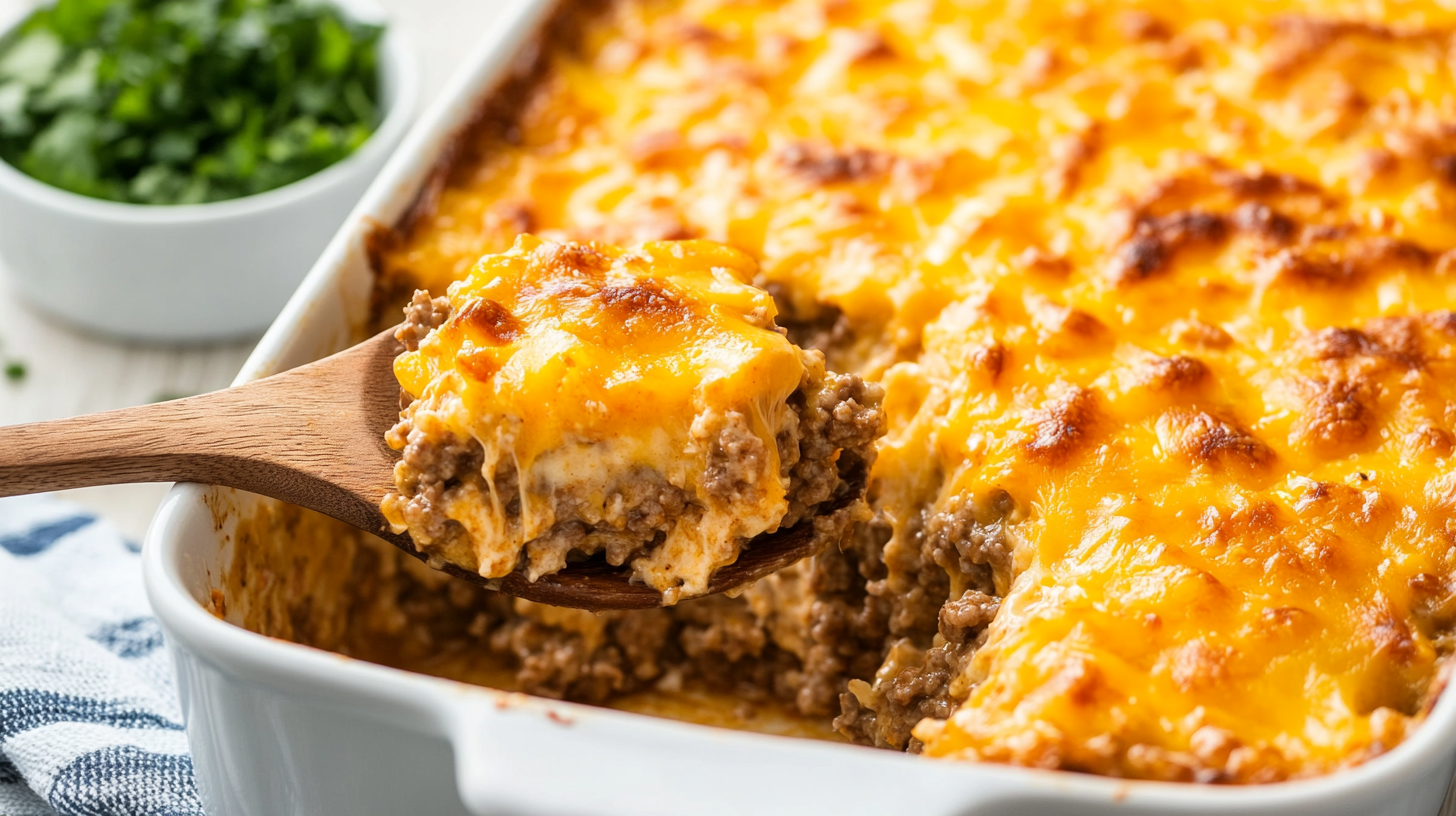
<point x="913" y="694"/>
<point x="839" y="415"/>
<point x="848" y="627"/>
<point x="736" y="457"/>
<point x="884" y="714"/>
<point x="915" y="586"/>
<point x="553" y="663"/>
<point x="640" y="508"/>
<point x="966" y="617"/>
<point x="968" y="539"/>
<point x="436" y="464"/>
<point x="421" y="316"/>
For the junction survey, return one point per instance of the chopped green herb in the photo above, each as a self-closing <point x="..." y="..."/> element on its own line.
<point x="185" y="101"/>
<point x="15" y="371"/>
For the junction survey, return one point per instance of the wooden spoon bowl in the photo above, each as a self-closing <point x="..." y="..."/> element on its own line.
<point x="314" y="436"/>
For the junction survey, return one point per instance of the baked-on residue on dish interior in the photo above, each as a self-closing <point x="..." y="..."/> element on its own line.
<point x="570" y="399"/>
<point x="1160" y="295"/>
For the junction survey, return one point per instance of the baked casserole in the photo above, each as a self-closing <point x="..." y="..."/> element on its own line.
<point x="1160" y="298"/>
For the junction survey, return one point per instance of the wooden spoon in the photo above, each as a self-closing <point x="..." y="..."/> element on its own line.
<point x="314" y="437"/>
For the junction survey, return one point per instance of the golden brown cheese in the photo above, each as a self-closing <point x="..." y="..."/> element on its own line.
<point x="1169" y="283"/>
<point x="585" y="374"/>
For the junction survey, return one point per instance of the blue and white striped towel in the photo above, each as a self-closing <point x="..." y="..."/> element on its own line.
<point x="89" y="721"/>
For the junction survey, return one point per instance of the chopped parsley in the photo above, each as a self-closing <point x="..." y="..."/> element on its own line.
<point x="15" y="371"/>
<point x="185" y="101"/>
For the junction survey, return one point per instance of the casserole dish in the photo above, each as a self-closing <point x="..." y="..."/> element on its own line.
<point x="503" y="746"/>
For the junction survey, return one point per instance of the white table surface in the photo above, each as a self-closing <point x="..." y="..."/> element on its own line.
<point x="70" y="372"/>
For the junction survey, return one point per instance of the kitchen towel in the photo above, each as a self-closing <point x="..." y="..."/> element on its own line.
<point x="89" y="719"/>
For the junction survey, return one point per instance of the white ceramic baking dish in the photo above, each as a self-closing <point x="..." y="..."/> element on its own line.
<point x="282" y="729"/>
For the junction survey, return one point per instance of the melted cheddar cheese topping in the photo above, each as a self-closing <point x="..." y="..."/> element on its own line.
<point x="1160" y="294"/>
<point x="578" y="369"/>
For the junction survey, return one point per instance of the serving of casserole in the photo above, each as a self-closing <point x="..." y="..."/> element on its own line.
<point x="1159" y="295"/>
<point x="569" y="400"/>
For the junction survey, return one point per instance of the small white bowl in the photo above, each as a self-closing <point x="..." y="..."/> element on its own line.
<point x="192" y="272"/>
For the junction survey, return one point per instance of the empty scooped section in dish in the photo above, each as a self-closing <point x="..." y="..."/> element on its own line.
<point x="292" y="574"/>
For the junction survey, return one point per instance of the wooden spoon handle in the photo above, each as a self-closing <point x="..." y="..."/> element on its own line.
<point x="166" y="442"/>
<point x="312" y="436"/>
